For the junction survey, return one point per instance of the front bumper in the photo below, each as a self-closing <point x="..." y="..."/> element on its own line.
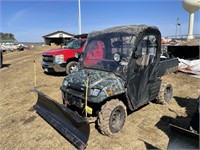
<point x="72" y="94"/>
<point x="53" y="67"/>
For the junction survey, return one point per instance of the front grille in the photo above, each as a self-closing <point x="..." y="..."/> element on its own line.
<point x="79" y="94"/>
<point x="74" y="97"/>
<point x="47" y="58"/>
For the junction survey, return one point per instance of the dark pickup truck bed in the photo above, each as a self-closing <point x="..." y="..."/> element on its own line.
<point x="167" y="66"/>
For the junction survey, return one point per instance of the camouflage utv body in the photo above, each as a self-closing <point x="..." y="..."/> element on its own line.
<point x="120" y="70"/>
<point x="101" y="80"/>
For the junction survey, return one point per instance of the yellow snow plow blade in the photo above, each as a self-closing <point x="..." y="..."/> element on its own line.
<point x="72" y="126"/>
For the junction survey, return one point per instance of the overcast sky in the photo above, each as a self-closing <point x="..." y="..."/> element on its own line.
<point x="30" y="20"/>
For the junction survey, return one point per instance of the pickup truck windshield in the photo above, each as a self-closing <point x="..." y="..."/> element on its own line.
<point x="76" y="44"/>
<point x="100" y="50"/>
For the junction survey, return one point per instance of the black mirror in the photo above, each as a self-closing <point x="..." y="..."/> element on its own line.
<point x="77" y="55"/>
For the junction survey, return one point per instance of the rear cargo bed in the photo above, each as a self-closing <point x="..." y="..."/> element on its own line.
<point x="167" y="66"/>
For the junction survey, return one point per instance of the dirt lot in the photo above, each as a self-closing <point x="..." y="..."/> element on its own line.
<point x="22" y="128"/>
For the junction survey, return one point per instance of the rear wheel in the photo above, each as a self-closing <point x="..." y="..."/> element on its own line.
<point x="165" y="94"/>
<point x="112" y="117"/>
<point x="71" y="67"/>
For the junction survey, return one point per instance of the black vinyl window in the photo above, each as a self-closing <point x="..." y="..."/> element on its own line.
<point x="146" y="51"/>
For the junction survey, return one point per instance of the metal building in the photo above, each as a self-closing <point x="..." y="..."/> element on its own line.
<point x="58" y="38"/>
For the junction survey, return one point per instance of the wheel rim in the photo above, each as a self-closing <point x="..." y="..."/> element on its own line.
<point x="117" y="119"/>
<point x="168" y="94"/>
<point x="73" y="68"/>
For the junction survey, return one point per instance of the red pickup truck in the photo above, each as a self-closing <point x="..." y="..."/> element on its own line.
<point x="63" y="60"/>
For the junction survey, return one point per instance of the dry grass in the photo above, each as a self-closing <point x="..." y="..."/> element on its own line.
<point x="22" y="128"/>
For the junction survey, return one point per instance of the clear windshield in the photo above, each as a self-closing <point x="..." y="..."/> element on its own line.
<point x="100" y="50"/>
<point x="76" y="44"/>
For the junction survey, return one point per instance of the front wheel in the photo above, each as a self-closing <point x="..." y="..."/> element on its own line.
<point x="112" y="117"/>
<point x="71" y="67"/>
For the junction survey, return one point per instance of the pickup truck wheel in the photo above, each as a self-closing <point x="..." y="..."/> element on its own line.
<point x="165" y="94"/>
<point x="71" y="67"/>
<point x="112" y="117"/>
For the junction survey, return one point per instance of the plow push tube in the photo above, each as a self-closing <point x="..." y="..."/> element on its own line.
<point x="73" y="127"/>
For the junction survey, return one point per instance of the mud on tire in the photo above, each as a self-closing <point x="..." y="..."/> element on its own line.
<point x="112" y="117"/>
<point x="165" y="93"/>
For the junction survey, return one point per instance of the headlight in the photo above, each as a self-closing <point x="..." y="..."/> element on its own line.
<point x="117" y="57"/>
<point x="94" y="92"/>
<point x="65" y="82"/>
<point x="59" y="58"/>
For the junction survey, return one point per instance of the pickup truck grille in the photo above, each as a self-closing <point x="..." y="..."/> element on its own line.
<point x="47" y="58"/>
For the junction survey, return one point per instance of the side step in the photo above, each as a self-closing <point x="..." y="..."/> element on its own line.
<point x="73" y="127"/>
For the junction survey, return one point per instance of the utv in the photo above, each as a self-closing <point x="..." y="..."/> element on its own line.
<point x="120" y="71"/>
